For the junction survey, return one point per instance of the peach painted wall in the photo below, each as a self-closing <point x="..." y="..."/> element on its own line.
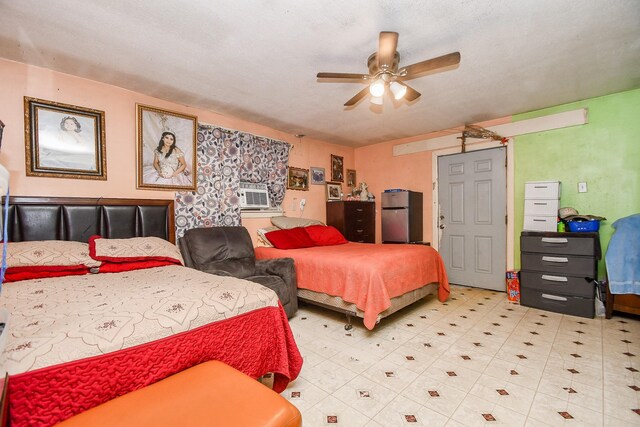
<point x="377" y="166"/>
<point x="18" y="80"/>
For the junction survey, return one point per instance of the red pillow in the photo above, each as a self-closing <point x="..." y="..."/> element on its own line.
<point x="292" y="238"/>
<point x="325" y="235"/>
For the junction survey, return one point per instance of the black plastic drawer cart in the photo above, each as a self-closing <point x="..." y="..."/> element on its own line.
<point x="557" y="271"/>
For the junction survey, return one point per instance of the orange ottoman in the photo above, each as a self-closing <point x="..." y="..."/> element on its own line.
<point x="209" y="394"/>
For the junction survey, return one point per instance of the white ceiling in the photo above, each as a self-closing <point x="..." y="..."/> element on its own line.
<point x="257" y="59"/>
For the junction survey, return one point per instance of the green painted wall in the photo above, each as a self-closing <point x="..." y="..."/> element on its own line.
<point x="605" y="153"/>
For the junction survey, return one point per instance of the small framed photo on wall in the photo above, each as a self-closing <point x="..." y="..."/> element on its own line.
<point x="317" y="176"/>
<point x="166" y="149"/>
<point x="298" y="179"/>
<point x="337" y="168"/>
<point x="64" y="141"/>
<point x="351" y="178"/>
<point x="334" y="190"/>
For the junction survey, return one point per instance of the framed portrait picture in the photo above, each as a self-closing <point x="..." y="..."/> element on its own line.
<point x="337" y="168"/>
<point x="351" y="178"/>
<point x="298" y="179"/>
<point x="333" y="191"/>
<point x="64" y="141"/>
<point x="166" y="149"/>
<point x="317" y="175"/>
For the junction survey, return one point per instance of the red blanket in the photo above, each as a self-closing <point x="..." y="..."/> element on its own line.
<point x="255" y="343"/>
<point x="367" y="275"/>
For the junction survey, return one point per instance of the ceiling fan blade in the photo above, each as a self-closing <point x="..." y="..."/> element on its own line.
<point x="387" y="45"/>
<point x="357" y="97"/>
<point x="343" y="76"/>
<point x="411" y="94"/>
<point x="433" y="65"/>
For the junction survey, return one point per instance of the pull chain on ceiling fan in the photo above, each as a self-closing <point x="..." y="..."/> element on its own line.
<point x="384" y="72"/>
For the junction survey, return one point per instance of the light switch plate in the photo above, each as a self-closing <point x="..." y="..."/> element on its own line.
<point x="582" y="187"/>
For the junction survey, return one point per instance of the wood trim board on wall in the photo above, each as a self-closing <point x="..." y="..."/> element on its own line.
<point x="539" y="124"/>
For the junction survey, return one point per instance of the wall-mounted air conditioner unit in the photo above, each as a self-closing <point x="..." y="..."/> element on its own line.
<point x="254" y="196"/>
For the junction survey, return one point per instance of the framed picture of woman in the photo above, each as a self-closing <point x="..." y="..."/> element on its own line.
<point x="166" y="149"/>
<point x="64" y="141"/>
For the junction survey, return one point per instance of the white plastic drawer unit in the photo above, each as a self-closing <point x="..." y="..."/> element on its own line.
<point x="542" y="190"/>
<point x="540" y="223"/>
<point x="544" y="207"/>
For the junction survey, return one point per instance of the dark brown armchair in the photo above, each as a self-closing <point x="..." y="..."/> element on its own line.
<point x="228" y="251"/>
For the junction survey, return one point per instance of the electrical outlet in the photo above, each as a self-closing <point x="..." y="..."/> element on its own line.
<point x="582" y="187"/>
<point x="293" y="204"/>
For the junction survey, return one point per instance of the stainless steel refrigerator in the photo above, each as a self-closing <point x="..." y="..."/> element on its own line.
<point x="401" y="216"/>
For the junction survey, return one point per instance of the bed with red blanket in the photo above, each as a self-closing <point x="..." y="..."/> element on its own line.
<point x="367" y="280"/>
<point x="76" y="341"/>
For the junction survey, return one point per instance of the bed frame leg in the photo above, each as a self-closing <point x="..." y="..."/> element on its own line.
<point x="348" y="326"/>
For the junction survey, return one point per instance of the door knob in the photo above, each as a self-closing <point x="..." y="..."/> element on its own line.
<point x="441" y="226"/>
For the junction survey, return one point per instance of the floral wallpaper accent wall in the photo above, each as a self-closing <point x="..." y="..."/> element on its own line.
<point x="265" y="160"/>
<point x="224" y="158"/>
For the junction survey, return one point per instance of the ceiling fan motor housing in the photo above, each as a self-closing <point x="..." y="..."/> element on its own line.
<point x="372" y="64"/>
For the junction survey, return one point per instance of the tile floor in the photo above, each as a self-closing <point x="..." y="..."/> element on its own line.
<point x="475" y="360"/>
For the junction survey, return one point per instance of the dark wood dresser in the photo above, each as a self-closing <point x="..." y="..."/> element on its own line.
<point x="553" y="271"/>
<point x="355" y="220"/>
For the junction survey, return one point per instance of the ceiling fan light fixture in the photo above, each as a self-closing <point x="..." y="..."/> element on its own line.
<point x="398" y="89"/>
<point x="377" y="88"/>
<point x="376" y="100"/>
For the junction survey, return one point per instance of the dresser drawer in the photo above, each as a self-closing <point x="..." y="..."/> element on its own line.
<point x="541" y="207"/>
<point x="358" y="210"/>
<point x="557" y="284"/>
<point x="558" y="245"/>
<point x="540" y="223"/>
<point x="542" y="190"/>
<point x="361" y="235"/>
<point x="562" y="264"/>
<point x="575" y="306"/>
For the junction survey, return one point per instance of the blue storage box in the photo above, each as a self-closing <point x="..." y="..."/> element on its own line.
<point x="584" y="226"/>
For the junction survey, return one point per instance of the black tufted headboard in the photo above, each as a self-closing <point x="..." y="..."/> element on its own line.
<point x="67" y="218"/>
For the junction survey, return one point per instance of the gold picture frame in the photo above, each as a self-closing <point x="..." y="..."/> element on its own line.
<point x="298" y="179"/>
<point x="334" y="190"/>
<point x="337" y="168"/>
<point x="166" y="149"/>
<point x="351" y="178"/>
<point x="63" y="140"/>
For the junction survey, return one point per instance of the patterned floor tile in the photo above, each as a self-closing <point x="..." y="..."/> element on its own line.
<point x="434" y="394"/>
<point x="403" y="412"/>
<point x="504" y="393"/>
<point x="475" y="411"/>
<point x="332" y="412"/>
<point x="328" y="376"/>
<point x="558" y="412"/>
<point x="366" y="396"/>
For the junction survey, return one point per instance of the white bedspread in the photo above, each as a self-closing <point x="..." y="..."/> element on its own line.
<point x="58" y="320"/>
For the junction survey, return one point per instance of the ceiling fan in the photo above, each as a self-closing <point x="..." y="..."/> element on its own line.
<point x="384" y="72"/>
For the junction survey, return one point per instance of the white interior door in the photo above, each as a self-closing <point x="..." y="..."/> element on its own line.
<point x="472" y="196"/>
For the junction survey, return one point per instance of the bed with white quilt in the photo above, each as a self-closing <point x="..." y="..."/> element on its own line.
<point x="99" y="305"/>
